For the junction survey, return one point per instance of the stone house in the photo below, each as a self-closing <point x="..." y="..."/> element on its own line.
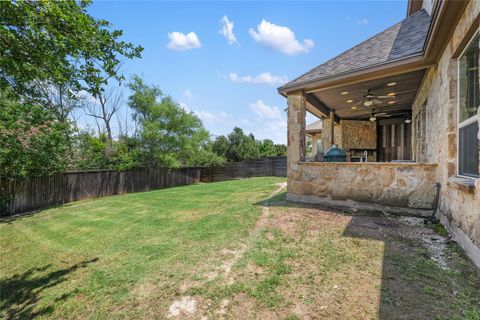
<point x="408" y="100"/>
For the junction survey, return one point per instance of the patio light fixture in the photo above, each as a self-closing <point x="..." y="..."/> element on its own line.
<point x="344" y="93"/>
<point x="391" y="84"/>
<point x="350" y="101"/>
<point x="368" y="103"/>
<point x="391" y="102"/>
<point x="391" y="94"/>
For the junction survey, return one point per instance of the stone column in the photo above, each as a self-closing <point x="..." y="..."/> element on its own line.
<point x="296" y="130"/>
<point x="327" y="133"/>
<point x="314" y="145"/>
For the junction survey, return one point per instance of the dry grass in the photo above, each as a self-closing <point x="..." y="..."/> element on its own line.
<point x="310" y="263"/>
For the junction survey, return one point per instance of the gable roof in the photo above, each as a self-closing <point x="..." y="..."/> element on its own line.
<point x="403" y="40"/>
<point x="314" y="127"/>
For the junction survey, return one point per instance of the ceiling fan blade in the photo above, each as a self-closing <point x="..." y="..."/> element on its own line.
<point x="385" y="97"/>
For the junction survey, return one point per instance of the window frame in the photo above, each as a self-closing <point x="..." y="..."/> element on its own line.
<point x="470" y="120"/>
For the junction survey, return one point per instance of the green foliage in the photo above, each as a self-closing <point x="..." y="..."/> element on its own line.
<point x="168" y="136"/>
<point x="32" y="143"/>
<point x="238" y="146"/>
<point x="439" y="229"/>
<point x="125" y="153"/>
<point x="269" y="149"/>
<point x="143" y="97"/>
<point x="90" y="152"/>
<point x="206" y="157"/>
<point x="59" y="43"/>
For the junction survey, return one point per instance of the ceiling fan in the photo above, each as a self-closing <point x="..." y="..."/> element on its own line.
<point x="374" y="115"/>
<point x="369" y="98"/>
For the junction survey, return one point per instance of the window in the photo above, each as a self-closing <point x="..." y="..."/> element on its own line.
<point x="468" y="104"/>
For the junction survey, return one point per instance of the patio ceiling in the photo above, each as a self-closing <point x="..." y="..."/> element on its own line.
<point x="343" y="99"/>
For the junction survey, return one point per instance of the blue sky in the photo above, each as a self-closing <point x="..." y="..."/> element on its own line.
<point x="217" y="78"/>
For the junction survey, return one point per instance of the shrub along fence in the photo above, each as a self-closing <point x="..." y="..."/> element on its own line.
<point x="271" y="166"/>
<point x="65" y="187"/>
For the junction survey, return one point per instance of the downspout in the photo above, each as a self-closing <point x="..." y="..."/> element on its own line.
<point x="432" y="219"/>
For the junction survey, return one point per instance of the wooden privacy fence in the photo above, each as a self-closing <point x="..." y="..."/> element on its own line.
<point x="271" y="166"/>
<point x="66" y="187"/>
<point x="71" y="186"/>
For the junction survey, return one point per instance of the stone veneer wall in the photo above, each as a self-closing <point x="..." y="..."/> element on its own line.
<point x="350" y="134"/>
<point x="390" y="184"/>
<point x="358" y="134"/>
<point x="460" y="205"/>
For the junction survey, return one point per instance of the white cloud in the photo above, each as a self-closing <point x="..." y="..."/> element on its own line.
<point x="187" y="93"/>
<point x="227" y="30"/>
<point x="182" y="42"/>
<point x="275" y="130"/>
<point x="265" y="122"/>
<point x="279" y="38"/>
<point x="213" y="118"/>
<point x="362" y="21"/>
<point x="270" y="122"/>
<point x="185" y="107"/>
<point x="264" y="111"/>
<point x="86" y="97"/>
<point x="262" y="78"/>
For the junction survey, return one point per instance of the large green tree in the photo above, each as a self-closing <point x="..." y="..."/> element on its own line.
<point x="169" y="136"/>
<point x="32" y="143"/>
<point x="47" y="44"/>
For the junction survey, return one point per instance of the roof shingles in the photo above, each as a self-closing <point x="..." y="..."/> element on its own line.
<point x="400" y="41"/>
<point x="314" y="126"/>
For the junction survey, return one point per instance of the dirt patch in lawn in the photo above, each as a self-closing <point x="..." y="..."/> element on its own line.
<point x="311" y="263"/>
<point x="186" y="306"/>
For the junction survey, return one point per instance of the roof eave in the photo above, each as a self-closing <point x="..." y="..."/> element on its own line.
<point x="445" y="15"/>
<point x="410" y="63"/>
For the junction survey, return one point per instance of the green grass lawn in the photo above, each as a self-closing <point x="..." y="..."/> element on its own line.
<point x="215" y="251"/>
<point x="94" y="258"/>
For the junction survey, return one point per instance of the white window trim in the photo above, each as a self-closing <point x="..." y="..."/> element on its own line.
<point x="469" y="120"/>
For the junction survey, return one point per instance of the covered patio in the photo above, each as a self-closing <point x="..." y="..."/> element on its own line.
<point x="381" y="171"/>
<point x="364" y="97"/>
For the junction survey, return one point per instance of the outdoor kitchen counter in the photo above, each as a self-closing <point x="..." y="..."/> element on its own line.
<point x="396" y="184"/>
